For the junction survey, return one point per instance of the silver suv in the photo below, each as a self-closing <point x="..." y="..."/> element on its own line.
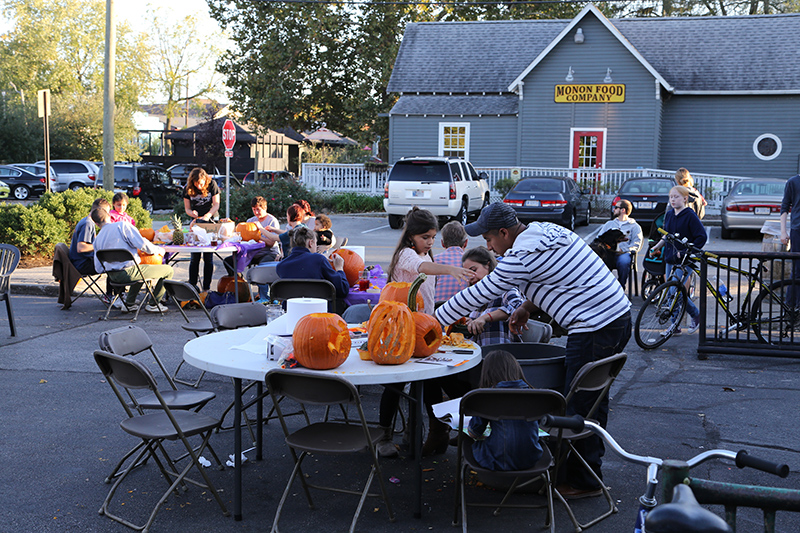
<point x="73" y="173"/>
<point x="446" y="186"/>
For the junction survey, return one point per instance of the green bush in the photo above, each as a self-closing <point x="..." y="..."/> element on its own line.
<point x="32" y="229"/>
<point x="350" y="202"/>
<point x="504" y="185"/>
<point x="70" y="206"/>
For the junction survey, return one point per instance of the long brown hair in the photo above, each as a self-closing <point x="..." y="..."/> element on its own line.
<point x="418" y="221"/>
<point x="191" y="184"/>
<point x="498" y="366"/>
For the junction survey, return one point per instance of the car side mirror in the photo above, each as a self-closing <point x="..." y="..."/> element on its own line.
<point x="483" y="176"/>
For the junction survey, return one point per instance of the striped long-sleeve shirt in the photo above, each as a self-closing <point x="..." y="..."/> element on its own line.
<point x="557" y="272"/>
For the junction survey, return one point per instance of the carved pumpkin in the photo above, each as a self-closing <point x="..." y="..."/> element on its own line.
<point x="353" y="264"/>
<point x="321" y="341"/>
<point x="148" y="233"/>
<point x="397" y="291"/>
<point x="151" y="259"/>
<point x="391" y="333"/>
<point x="428" y="335"/>
<point x="249" y="231"/>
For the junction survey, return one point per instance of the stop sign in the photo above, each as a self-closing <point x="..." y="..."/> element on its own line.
<point x="228" y="135"/>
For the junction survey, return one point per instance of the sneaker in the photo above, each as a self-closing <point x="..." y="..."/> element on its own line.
<point x="159" y="308"/>
<point x="119" y="304"/>
<point x="129" y="308"/>
<point x="695" y="325"/>
<point x="571" y="493"/>
<point x="105" y="299"/>
<point x="677" y="331"/>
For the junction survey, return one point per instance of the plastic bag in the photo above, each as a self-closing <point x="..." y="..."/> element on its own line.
<point x="279" y="348"/>
<point x="226" y="230"/>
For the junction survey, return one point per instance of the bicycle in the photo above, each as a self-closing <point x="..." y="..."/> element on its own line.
<point x="684" y="514"/>
<point x="770" y="317"/>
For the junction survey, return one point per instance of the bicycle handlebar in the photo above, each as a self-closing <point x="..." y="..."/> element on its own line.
<point x="685" y="242"/>
<point x="742" y="458"/>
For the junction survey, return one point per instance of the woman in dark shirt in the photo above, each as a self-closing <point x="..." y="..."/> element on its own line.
<point x="305" y="263"/>
<point x="201" y="203"/>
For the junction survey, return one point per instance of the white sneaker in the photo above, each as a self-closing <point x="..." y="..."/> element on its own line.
<point x="158" y="308"/>
<point x="129" y="308"/>
<point x="695" y="325"/>
<point x="119" y="304"/>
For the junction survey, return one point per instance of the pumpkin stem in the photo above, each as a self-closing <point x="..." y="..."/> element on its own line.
<point x="412" y="292"/>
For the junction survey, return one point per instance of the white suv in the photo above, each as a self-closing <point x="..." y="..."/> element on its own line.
<point x="73" y="173"/>
<point x="445" y="186"/>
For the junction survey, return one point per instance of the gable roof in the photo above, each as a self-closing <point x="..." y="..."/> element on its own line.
<point x="692" y="55"/>
<point x="457" y="105"/>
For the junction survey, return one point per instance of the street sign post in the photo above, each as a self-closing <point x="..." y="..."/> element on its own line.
<point x="43" y="100"/>
<point x="229" y="140"/>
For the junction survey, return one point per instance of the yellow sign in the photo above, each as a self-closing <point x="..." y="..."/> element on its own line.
<point x="600" y="93"/>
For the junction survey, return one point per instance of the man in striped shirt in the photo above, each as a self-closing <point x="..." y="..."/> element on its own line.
<point x="559" y="274"/>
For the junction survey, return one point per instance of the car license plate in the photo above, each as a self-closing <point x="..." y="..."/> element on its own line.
<point x="645" y="205"/>
<point x="531" y="203"/>
<point x="762" y="210"/>
<point x="418" y="194"/>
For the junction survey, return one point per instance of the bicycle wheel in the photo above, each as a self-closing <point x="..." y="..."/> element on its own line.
<point x="660" y="315"/>
<point x="649" y="286"/>
<point x="774" y="321"/>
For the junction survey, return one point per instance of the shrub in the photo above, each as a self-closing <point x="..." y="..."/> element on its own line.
<point x="70" y="206"/>
<point x="504" y="185"/>
<point x="32" y="229"/>
<point x="351" y="202"/>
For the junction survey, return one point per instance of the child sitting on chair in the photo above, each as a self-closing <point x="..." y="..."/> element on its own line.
<point x="118" y="214"/>
<point x="322" y="227"/>
<point x="511" y="444"/>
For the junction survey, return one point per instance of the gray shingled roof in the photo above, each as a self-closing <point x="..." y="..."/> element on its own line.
<point x="749" y="53"/>
<point x="457" y="105"/>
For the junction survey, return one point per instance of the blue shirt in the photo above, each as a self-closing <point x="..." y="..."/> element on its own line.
<point x="686" y="224"/>
<point x="302" y="264"/>
<point x="511" y="445"/>
<point x="84" y="232"/>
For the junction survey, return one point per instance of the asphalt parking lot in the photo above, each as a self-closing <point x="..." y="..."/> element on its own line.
<point x="61" y="432"/>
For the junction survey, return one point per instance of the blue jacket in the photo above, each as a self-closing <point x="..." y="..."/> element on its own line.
<point x="302" y="264"/>
<point x="686" y="224"/>
<point x="511" y="445"/>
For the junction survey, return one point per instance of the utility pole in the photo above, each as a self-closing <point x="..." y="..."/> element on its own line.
<point x="108" y="99"/>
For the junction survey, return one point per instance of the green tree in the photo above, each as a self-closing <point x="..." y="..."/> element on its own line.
<point x="59" y="45"/>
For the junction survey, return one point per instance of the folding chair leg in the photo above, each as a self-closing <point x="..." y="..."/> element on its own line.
<point x="612" y="508"/>
<point x="10" y="316"/>
<point x="295" y="470"/>
<point x="182" y="381"/>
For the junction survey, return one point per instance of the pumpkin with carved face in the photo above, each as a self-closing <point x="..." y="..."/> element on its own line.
<point x="321" y="341"/>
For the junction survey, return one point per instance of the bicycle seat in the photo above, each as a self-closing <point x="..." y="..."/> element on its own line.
<point x="684" y="515"/>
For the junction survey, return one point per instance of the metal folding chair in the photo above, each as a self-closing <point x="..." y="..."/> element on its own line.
<point x="181" y="291"/>
<point x="64" y="271"/>
<point x="506" y="404"/>
<point x="326" y="437"/>
<point x="121" y="255"/>
<point x="286" y="288"/>
<point x="597" y="376"/>
<point x="153" y="428"/>
<point x="9" y="259"/>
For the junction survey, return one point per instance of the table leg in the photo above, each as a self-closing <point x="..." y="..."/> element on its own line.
<point x="416" y="442"/>
<point x="237" y="449"/>
<point x="260" y="417"/>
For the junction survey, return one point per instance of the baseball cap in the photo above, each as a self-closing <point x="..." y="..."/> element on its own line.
<point x="494" y="216"/>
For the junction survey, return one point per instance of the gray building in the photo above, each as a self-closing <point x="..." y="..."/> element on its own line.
<point x="713" y="94"/>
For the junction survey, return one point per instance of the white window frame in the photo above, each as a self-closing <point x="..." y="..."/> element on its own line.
<point x="465" y="125"/>
<point x="767" y="136"/>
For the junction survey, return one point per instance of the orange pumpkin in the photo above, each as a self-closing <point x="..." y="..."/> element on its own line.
<point x="321" y="341"/>
<point x="428" y="335"/>
<point x="148" y="233"/>
<point x="397" y="291"/>
<point x="353" y="264"/>
<point x="390" y="333"/>
<point x="150" y="259"/>
<point x="249" y="231"/>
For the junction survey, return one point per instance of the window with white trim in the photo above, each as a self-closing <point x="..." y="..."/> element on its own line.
<point x="454" y="139"/>
<point x="767" y="147"/>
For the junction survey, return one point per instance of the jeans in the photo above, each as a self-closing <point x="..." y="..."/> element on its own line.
<point x="683" y="275"/>
<point x="585" y="348"/>
<point x="624" y="267"/>
<point x="208" y="269"/>
<point x="158" y="272"/>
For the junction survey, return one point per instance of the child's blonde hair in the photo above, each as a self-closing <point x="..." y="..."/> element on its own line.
<point x="683" y="177"/>
<point x="418" y="221"/>
<point x="683" y="191"/>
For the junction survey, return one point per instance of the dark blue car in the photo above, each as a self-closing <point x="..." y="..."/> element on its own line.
<point x="550" y="199"/>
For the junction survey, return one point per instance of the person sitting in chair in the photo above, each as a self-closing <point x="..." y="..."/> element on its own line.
<point x="633" y="233"/>
<point x="305" y="263"/>
<point x="116" y="235"/>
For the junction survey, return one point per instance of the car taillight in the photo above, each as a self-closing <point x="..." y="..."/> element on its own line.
<point x="41" y="180"/>
<point x="749" y="208"/>
<point x="452" y="191"/>
<point x="553" y="203"/>
<point x="386" y="190"/>
<point x="513" y="202"/>
<point x="136" y="191"/>
<point x="92" y="177"/>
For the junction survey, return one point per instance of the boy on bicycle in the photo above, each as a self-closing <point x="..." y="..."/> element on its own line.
<point x="684" y="222"/>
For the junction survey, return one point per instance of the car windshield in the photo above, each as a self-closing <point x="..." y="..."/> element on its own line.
<point x="420" y="171"/>
<point x="539" y="185"/>
<point x="758" y="188"/>
<point x="646" y="187"/>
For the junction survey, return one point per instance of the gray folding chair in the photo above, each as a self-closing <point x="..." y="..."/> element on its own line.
<point x="506" y="404"/>
<point x="287" y="288"/>
<point x="9" y="259"/>
<point x="128" y="341"/>
<point x="153" y="428"/>
<point x="326" y="437"/>
<point x="121" y="255"/>
<point x="597" y="376"/>
<point x="181" y="291"/>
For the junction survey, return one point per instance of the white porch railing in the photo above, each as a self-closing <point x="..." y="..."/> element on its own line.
<point x="603" y="183"/>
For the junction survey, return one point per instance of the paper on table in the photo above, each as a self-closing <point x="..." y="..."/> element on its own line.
<point x="448" y="412"/>
<point x="256" y="345"/>
<point x="444" y="360"/>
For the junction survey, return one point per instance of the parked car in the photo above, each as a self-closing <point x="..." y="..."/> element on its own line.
<point x="751" y="203"/>
<point x="4" y="189"/>
<point x="39" y="170"/>
<point x="550" y="199"/>
<point x="446" y="186"/>
<point x="181" y="171"/>
<point x="150" y="183"/>
<point x="235" y="183"/>
<point x="267" y="176"/>
<point x="73" y="173"/>
<point x="649" y="197"/>
<point x="23" y="184"/>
